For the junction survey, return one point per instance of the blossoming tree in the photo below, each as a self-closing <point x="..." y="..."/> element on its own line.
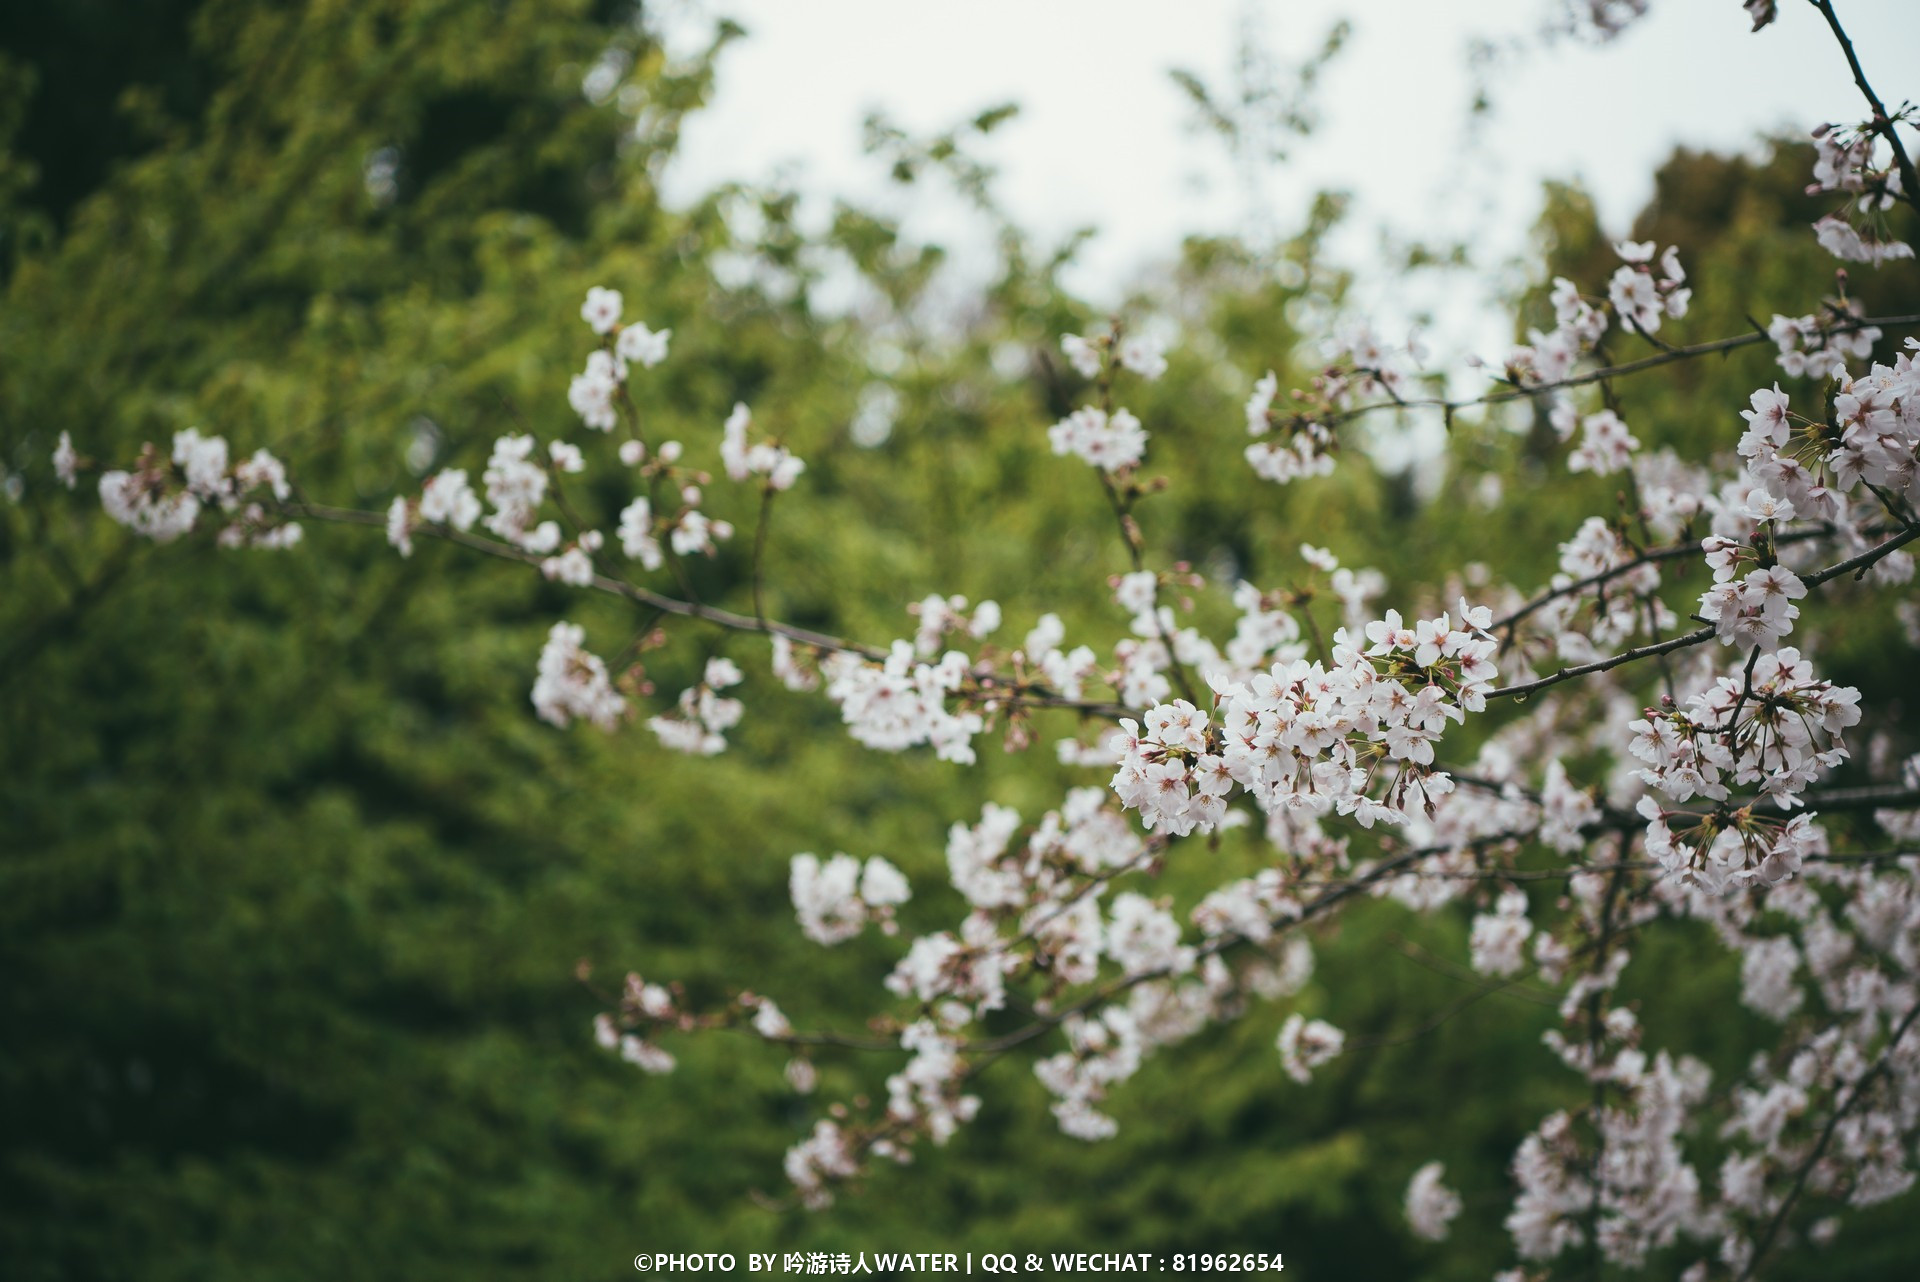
<point x="1644" y="753"/>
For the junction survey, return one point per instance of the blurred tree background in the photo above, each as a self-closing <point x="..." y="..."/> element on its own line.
<point x="293" y="884"/>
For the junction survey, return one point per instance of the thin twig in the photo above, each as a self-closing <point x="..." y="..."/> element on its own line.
<point x="1882" y="122"/>
<point x="1853" y="564"/>
<point x="1451" y="407"/>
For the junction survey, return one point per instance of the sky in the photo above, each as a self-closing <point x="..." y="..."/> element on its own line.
<point x="1104" y="137"/>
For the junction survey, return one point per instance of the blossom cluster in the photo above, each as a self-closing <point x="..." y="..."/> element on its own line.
<point x="1111" y="442"/>
<point x="1550" y="358"/>
<point x="742" y="459"/>
<point x="594" y="393"/>
<point x="704" y="715"/>
<point x="1110" y="439"/>
<point x="1845" y="162"/>
<point x="901" y="701"/>
<point x="1356" y="737"/>
<point x="1642" y="297"/>
<point x="835" y="900"/>
<point x="644" y="1007"/>
<point x="1774" y="729"/>
<point x="1361" y="367"/>
<point x="1140" y="354"/>
<point x="573" y="682"/>
<point x="163" y="496"/>
<point x="1820" y="346"/>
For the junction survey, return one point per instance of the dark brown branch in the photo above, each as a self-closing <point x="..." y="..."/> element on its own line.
<point x="1451" y="407"/>
<point x="1677" y="551"/>
<point x="1857" y="564"/>
<point x="1014" y="695"/>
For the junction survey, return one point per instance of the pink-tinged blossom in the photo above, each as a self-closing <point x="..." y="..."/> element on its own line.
<point x="572" y="682"/>
<point x="1143" y="356"/>
<point x="1776" y="731"/>
<point x="1430" y="1205"/>
<point x="900" y="702"/>
<point x="693" y="531"/>
<point x="818" y="1161"/>
<point x="447" y="499"/>
<point x="1605" y="446"/>
<point x="744" y="460"/>
<point x="1290" y="736"/>
<point x="644" y="347"/>
<point x="1260" y="404"/>
<point x="1755" y="611"/>
<point x="1499" y="938"/>
<point x="646" y="1056"/>
<point x="1767" y="971"/>
<point x="836" y="899"/>
<point x="148" y="503"/>
<point x="1813" y="347"/>
<point x="636" y="535"/>
<point x="1565" y="811"/>
<point x="968" y="971"/>
<point x="66" y="463"/>
<point x="400" y="525"/>
<point x="262" y="471"/>
<point x="1843" y="240"/>
<point x="204" y="461"/>
<point x="788" y="668"/>
<point x="574" y="565"/>
<point x="1085" y="355"/>
<point x="1111" y="443"/>
<point x="1305" y="1045"/>
<point x="253" y="527"/>
<point x="601" y="311"/>
<point x="1769" y="422"/>
<point x="702" y="715"/>
<point x="1144" y="938"/>
<point x="592" y="393"/>
<point x="516" y="488"/>
<point x="1641" y="297"/>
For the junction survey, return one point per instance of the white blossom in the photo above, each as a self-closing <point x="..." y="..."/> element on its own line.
<point x="601" y="311"/>
<point x="1431" y="1206"/>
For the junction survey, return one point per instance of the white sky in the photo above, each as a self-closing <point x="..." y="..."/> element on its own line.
<point x="1102" y="138"/>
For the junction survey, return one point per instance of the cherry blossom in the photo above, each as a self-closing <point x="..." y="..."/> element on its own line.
<point x="601" y="311"/>
<point x="1143" y="356"/>
<point x="66" y="462"/>
<point x="780" y="468"/>
<point x="836" y="899"/>
<point x="1431" y="1206"/>
<point x="1499" y="937"/>
<point x="699" y="723"/>
<point x="642" y="346"/>
<point x="1111" y="442"/>
<point x="1642" y="297"/>
<point x="1307" y="1044"/>
<point x="573" y="682"/>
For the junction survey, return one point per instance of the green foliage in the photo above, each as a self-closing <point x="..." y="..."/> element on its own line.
<point x="292" y="884"/>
